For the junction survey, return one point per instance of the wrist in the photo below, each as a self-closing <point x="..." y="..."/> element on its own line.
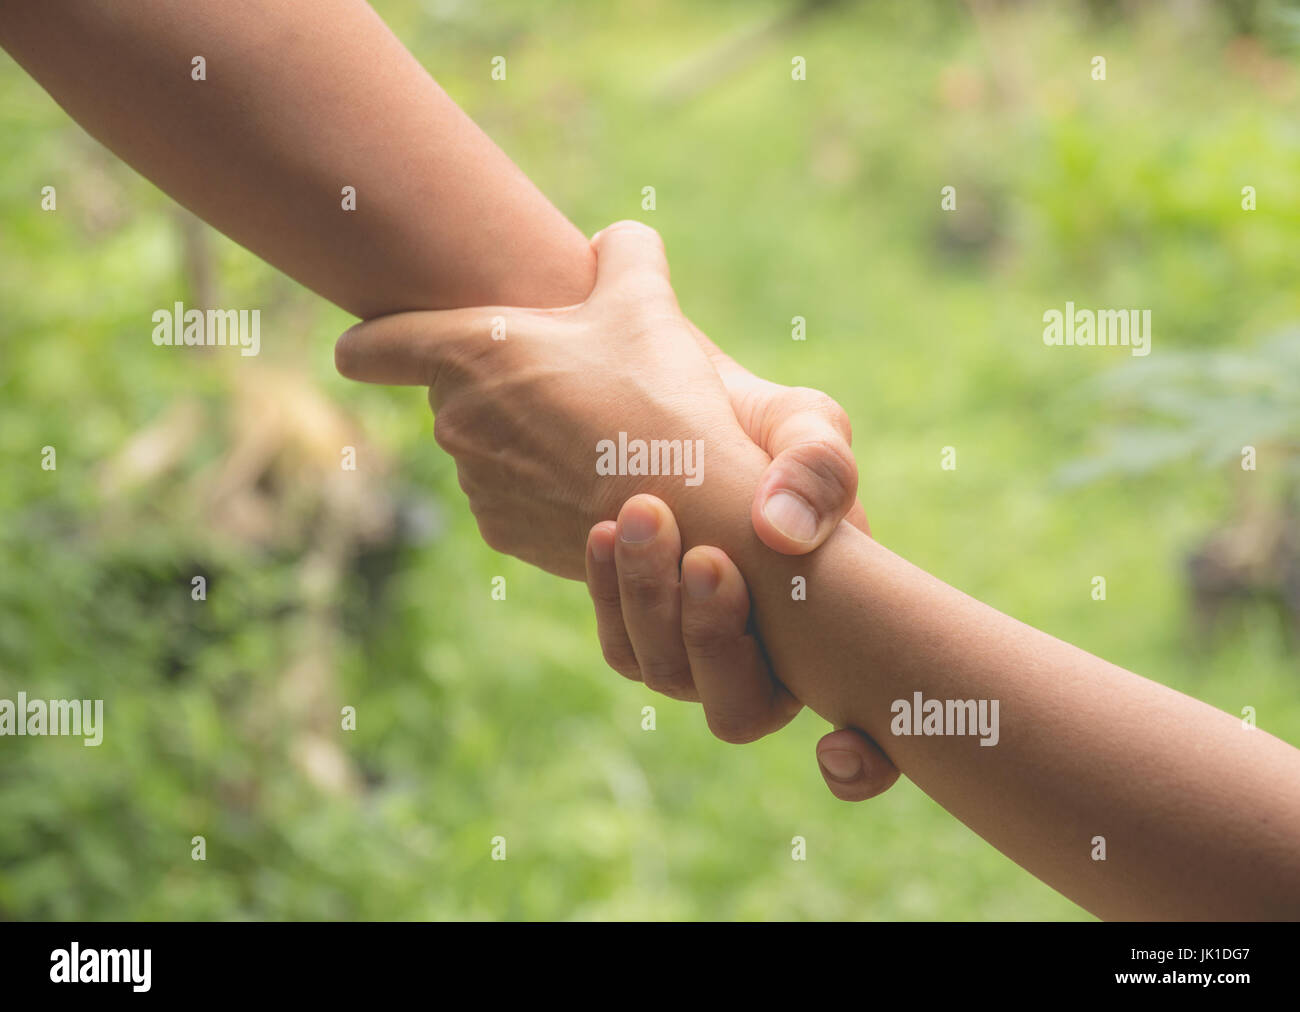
<point x="716" y="511"/>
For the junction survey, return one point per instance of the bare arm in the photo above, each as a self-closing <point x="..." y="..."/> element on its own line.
<point x="300" y="100"/>
<point x="1200" y="816"/>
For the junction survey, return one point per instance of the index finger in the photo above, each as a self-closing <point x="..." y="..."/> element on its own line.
<point x="411" y="348"/>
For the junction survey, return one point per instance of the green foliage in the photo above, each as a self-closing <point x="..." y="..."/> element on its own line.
<point x="479" y="718"/>
<point x="1203" y="405"/>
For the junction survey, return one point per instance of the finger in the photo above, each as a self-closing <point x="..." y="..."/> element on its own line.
<point x="742" y="701"/>
<point x="853" y="766"/>
<point x="628" y="252"/>
<point x="812" y="482"/>
<point x="646" y="551"/>
<point x="602" y="584"/>
<point x="411" y="348"/>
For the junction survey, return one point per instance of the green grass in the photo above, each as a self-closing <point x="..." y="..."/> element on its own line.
<point x="479" y="718"/>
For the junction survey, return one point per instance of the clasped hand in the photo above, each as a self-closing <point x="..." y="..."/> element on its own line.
<point x="523" y="398"/>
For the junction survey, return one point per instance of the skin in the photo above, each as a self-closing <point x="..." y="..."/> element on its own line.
<point x="302" y="99"/>
<point x="641" y="606"/>
<point x="1201" y="815"/>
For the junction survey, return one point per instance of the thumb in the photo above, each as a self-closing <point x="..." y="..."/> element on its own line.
<point x="812" y="482"/>
<point x="853" y="766"/>
<point x="629" y="253"/>
<point x="412" y="348"/>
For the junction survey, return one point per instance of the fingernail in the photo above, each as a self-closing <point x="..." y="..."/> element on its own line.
<point x="601" y="549"/>
<point x="700" y="579"/>
<point x="791" y="515"/>
<point x="841" y="764"/>
<point x="638" y="524"/>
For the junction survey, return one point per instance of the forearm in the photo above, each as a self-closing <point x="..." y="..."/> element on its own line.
<point x="300" y="100"/>
<point x="1200" y="816"/>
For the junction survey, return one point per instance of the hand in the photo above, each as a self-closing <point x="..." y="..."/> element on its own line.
<point x="525" y="416"/>
<point x="812" y="481"/>
<point x="809" y="486"/>
<point x="522" y="416"/>
<point x="652" y="628"/>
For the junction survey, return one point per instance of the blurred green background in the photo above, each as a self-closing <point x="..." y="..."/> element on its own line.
<point x="477" y="717"/>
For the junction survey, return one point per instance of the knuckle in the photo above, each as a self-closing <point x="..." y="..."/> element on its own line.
<point x="641" y="589"/>
<point x="444" y="431"/>
<point x="818" y="402"/>
<point x="621" y="660"/>
<point x="665" y="674"/>
<point x="495" y="535"/>
<point x="630" y="225"/>
<point x="450" y="430"/>
<point x="829" y="468"/>
<point x="457" y="364"/>
<point x="644" y="307"/>
<point x="734" y="728"/>
<point x="838" y="417"/>
<point x="706" y="640"/>
<point x="605" y="598"/>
